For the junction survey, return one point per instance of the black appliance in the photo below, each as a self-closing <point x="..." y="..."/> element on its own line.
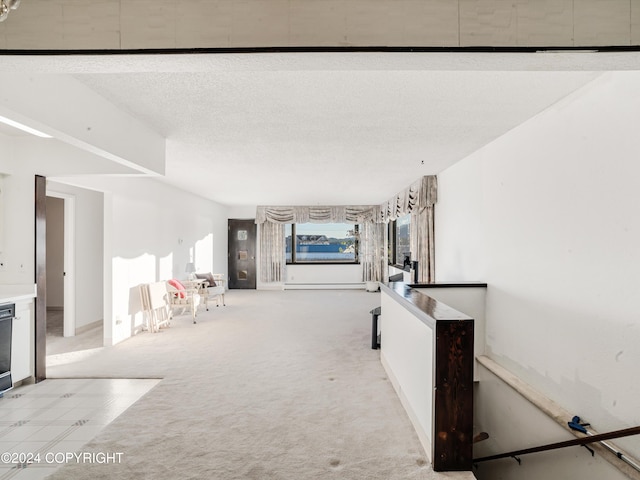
<point x="7" y="312"/>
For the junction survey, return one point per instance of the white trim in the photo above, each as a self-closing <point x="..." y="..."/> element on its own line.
<point x="324" y="286"/>
<point x="90" y="326"/>
<point x="271" y="286"/>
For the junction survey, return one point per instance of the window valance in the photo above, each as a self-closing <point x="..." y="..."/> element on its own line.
<point x="315" y="214"/>
<point x="419" y="195"/>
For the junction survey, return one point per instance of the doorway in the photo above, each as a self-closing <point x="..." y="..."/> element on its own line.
<point x="242" y="254"/>
<point x="60" y="266"/>
<point x="74" y="276"/>
<point x="55" y="267"/>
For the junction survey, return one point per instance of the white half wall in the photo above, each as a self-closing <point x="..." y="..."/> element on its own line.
<point x="549" y="216"/>
<point x="407" y="355"/>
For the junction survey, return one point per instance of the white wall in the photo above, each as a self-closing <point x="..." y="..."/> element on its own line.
<point x="21" y="158"/>
<point x="345" y="276"/>
<point x="17" y="255"/>
<point x="549" y="217"/>
<point x="19" y="245"/>
<point x="151" y="232"/>
<point x="526" y="426"/>
<point x="243" y="212"/>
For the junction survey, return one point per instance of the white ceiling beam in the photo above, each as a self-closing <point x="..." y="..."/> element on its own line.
<point x="64" y="108"/>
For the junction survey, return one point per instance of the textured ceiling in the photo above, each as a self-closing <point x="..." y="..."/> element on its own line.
<point x="350" y="128"/>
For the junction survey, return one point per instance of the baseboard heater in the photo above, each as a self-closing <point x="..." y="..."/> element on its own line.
<point x="7" y="312"/>
<point x="323" y="286"/>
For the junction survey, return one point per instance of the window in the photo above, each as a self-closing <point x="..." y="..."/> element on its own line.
<point x="321" y="243"/>
<point x="400" y="230"/>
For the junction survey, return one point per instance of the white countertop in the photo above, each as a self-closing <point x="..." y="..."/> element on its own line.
<point x="16" y="293"/>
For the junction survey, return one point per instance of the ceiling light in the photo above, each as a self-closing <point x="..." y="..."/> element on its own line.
<point x="24" y="128"/>
<point x="5" y="6"/>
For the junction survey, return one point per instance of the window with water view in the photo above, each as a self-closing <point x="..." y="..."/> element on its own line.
<point x="403" y="239"/>
<point x="321" y="243"/>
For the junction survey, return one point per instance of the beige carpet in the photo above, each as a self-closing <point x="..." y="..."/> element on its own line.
<point x="57" y="344"/>
<point x="276" y="385"/>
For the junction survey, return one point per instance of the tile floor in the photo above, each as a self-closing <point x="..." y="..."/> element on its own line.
<point x="55" y="417"/>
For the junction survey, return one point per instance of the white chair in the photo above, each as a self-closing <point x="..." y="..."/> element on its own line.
<point x="182" y="298"/>
<point x="211" y="285"/>
<point x="219" y="290"/>
<point x="155" y="305"/>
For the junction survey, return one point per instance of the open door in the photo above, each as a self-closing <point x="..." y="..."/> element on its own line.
<point x="242" y="254"/>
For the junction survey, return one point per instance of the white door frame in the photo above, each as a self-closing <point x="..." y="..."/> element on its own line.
<point x="69" y="261"/>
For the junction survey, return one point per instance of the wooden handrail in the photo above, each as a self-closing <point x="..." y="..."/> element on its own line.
<point x="569" y="443"/>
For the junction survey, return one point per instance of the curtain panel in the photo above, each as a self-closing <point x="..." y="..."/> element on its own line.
<point x="422" y="243"/>
<point x="272" y="253"/>
<point x="372" y="252"/>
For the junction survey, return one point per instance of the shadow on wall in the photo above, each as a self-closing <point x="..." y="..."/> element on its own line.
<point x="576" y="357"/>
<point x="135" y="314"/>
<point x="129" y="273"/>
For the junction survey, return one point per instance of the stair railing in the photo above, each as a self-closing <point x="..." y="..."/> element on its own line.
<point x="600" y="437"/>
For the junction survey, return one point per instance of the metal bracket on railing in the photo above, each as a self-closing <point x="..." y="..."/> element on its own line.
<point x="576" y="424"/>
<point x="593" y="454"/>
<point x="517" y="459"/>
<point x="590" y="438"/>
